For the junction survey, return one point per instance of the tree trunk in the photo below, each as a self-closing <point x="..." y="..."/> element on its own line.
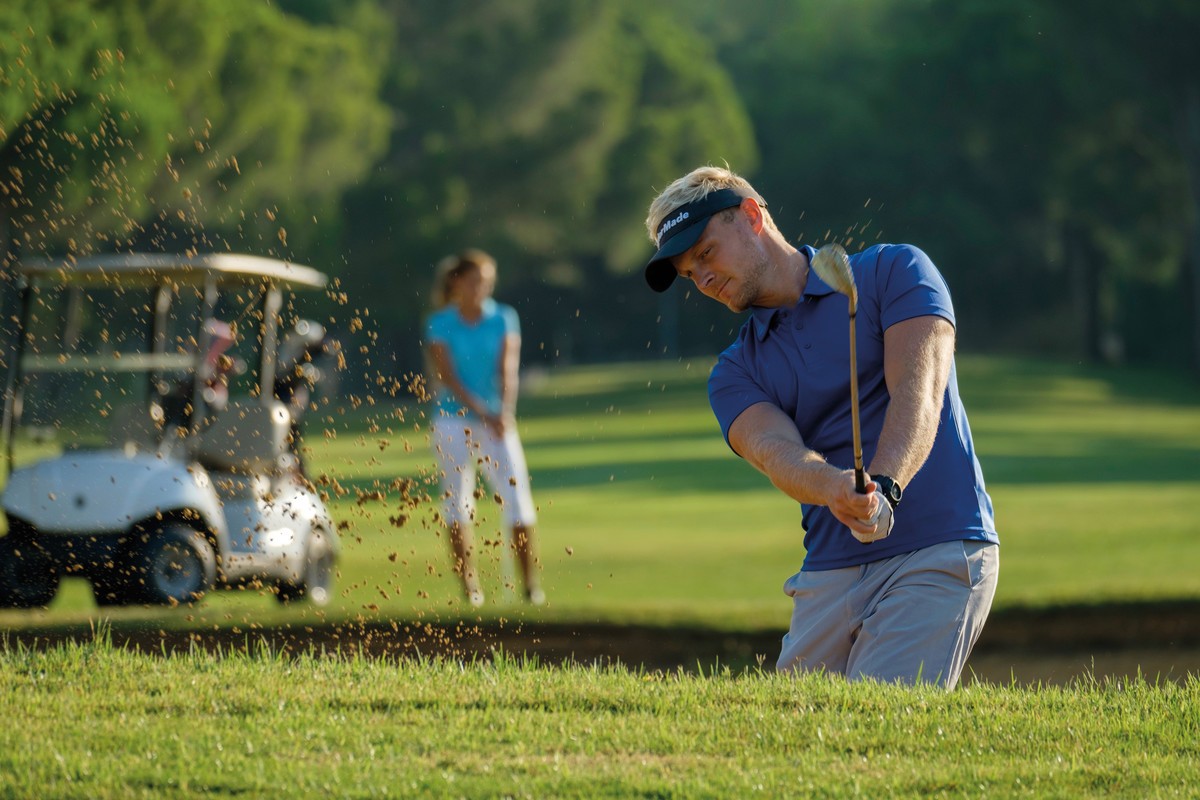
<point x="8" y="283"/>
<point x="668" y="324"/>
<point x="1085" y="282"/>
<point x="1191" y="155"/>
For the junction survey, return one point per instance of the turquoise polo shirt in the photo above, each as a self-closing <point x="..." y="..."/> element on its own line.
<point x="798" y="359"/>
<point x="475" y="350"/>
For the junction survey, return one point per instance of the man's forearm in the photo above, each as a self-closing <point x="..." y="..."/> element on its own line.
<point x="800" y="473"/>
<point x="909" y="429"/>
<point x="768" y="439"/>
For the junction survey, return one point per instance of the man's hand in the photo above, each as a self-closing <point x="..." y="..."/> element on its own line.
<point x="868" y="516"/>
<point x="883" y="521"/>
<point x="856" y="511"/>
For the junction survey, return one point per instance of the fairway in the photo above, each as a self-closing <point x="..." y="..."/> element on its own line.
<point x="659" y="548"/>
<point x="646" y="517"/>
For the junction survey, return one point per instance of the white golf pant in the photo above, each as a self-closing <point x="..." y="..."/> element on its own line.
<point x="466" y="448"/>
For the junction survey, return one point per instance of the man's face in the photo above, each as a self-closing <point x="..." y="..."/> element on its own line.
<point x="727" y="262"/>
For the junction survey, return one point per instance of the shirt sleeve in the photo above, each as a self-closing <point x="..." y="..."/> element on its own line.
<point x="732" y="389"/>
<point x="512" y="323"/>
<point x="435" y="329"/>
<point x="910" y="286"/>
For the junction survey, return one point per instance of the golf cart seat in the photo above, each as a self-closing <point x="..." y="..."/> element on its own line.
<point x="248" y="436"/>
<point x="134" y="424"/>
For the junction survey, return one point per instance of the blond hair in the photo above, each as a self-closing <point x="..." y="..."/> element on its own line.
<point x="455" y="266"/>
<point x="697" y="184"/>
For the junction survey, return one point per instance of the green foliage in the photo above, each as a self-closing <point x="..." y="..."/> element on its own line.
<point x="1047" y="156"/>
<point x="535" y="129"/>
<point x="147" y="123"/>
<point x="79" y="130"/>
<point x="558" y="107"/>
<point x="264" y="155"/>
<point x="1021" y="144"/>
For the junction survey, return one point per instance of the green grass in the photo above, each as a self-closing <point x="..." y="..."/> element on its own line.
<point x="98" y="722"/>
<point x="1093" y="472"/>
<point x="646" y="516"/>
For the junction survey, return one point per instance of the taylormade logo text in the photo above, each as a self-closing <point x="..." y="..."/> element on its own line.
<point x="671" y="223"/>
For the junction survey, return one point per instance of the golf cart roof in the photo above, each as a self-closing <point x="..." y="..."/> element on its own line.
<point x="152" y="269"/>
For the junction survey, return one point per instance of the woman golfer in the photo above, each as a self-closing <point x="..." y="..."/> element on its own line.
<point x="474" y="347"/>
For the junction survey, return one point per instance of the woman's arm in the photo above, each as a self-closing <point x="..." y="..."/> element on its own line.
<point x="509" y="367"/>
<point x="510" y="370"/>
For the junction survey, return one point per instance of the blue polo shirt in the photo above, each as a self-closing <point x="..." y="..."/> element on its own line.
<point x="798" y="360"/>
<point x="475" y="349"/>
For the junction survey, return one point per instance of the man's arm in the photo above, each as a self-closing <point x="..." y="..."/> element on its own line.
<point x="768" y="439"/>
<point x="917" y="354"/>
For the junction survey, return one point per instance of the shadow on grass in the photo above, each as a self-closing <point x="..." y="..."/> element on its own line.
<point x="998" y="383"/>
<point x="1113" y="459"/>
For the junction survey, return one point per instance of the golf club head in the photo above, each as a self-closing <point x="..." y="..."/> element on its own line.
<point x="833" y="266"/>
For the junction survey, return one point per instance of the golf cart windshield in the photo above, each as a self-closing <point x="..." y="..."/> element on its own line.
<point x="100" y="339"/>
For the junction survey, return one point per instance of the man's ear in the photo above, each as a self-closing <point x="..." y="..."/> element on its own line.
<point x="754" y="213"/>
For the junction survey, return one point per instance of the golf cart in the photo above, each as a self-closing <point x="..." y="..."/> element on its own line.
<point x="177" y="473"/>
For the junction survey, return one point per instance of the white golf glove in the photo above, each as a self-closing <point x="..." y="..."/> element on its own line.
<point x="883" y="522"/>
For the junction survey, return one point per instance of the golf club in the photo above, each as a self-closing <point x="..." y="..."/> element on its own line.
<point x="833" y="266"/>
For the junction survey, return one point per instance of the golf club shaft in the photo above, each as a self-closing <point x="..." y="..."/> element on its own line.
<point x="860" y="480"/>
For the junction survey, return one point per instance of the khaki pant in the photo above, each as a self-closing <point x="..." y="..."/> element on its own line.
<point x="907" y="619"/>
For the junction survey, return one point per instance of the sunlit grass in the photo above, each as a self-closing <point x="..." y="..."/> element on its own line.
<point x="99" y="722"/>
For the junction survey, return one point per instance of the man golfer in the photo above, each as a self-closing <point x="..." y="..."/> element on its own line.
<point x="897" y="582"/>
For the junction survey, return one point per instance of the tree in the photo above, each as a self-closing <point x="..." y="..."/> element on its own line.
<point x="146" y="123"/>
<point x="535" y="129"/>
<point x="1135" y="161"/>
<point x="73" y="120"/>
<point x="1038" y="151"/>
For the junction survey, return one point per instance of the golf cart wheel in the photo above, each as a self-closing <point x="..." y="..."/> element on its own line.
<point x="28" y="575"/>
<point x="316" y="584"/>
<point x="177" y="565"/>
